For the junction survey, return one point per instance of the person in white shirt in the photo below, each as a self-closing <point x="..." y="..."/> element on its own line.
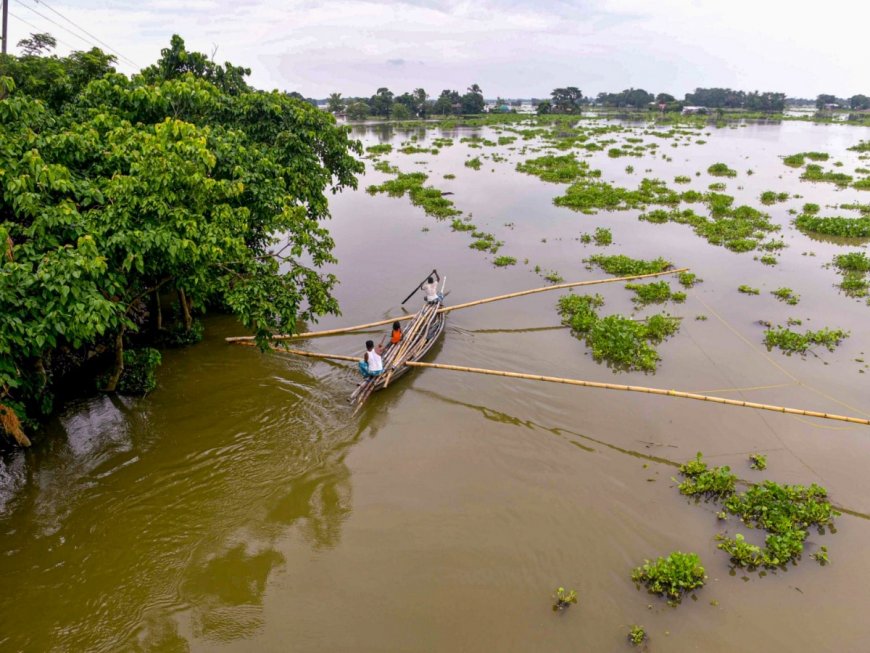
<point x="372" y="364"/>
<point x="430" y="288"/>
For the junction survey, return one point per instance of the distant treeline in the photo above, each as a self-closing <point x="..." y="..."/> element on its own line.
<point x="418" y="104"/>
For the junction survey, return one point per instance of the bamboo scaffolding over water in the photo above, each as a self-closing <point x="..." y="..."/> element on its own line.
<point x="604" y="386"/>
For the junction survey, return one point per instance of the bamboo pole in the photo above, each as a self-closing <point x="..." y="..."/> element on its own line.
<point x="601" y="386"/>
<point x="638" y="388"/>
<point x="559" y="286"/>
<point x="446" y="309"/>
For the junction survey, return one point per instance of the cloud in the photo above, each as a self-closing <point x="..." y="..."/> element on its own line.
<point x="510" y="47"/>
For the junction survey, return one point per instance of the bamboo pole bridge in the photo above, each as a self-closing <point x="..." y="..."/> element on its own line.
<point x="249" y="341"/>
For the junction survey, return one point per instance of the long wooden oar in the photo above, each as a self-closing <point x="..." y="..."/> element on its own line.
<point x="602" y="386"/>
<point x="447" y="309"/>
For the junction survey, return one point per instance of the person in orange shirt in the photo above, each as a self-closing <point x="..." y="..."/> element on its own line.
<point x="397" y="334"/>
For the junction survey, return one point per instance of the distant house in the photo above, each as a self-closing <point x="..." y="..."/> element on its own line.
<point x="688" y="110"/>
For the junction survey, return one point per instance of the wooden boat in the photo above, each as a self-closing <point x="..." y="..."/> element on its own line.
<point x="417" y="339"/>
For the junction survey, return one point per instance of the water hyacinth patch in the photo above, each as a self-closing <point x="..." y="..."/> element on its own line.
<point x="672" y="576"/>
<point x="789" y="342"/>
<point x="721" y="170"/>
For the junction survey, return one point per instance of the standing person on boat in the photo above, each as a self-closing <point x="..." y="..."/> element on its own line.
<point x="430" y="288"/>
<point x="371" y="364"/>
<point x="396" y="336"/>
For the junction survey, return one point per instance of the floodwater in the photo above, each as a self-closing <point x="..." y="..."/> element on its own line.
<point x="241" y="507"/>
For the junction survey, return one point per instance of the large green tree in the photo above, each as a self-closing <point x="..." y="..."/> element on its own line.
<point x="166" y="181"/>
<point x="566" y="100"/>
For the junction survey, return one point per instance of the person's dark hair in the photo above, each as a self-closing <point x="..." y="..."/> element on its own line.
<point x="370" y="344"/>
<point x="396" y="326"/>
<point x="431" y="280"/>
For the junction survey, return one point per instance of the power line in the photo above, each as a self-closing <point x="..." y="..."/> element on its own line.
<point x="54" y="22"/>
<point x="82" y="29"/>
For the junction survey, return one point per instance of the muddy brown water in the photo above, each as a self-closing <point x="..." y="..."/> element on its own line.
<point x="241" y="507"/>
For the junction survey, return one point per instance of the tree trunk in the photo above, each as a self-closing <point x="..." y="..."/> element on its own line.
<point x="112" y="383"/>
<point x="158" y="311"/>
<point x="185" y="309"/>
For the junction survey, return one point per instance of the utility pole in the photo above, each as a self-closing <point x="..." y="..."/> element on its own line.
<point x="5" y="24"/>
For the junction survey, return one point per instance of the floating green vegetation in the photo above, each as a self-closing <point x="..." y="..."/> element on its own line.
<point x="862" y="184"/>
<point x="637" y="635"/>
<point x="721" y="170"/>
<point x="701" y="481"/>
<point x="506" y="140"/>
<point x="615" y="153"/>
<point x="563" y="599"/>
<point x="586" y="195"/>
<point x="413" y="149"/>
<point x="834" y="225"/>
<point x="449" y="175"/>
<point x="656" y="292"/>
<point x="384" y="166"/>
<point x="557" y="169"/>
<point x="602" y="236"/>
<point x="797" y="160"/>
<point x="430" y="199"/>
<point x="554" y="277"/>
<point x="812" y="209"/>
<point x="381" y="148"/>
<point x="821" y="556"/>
<point x="485" y="242"/>
<point x="773" y="245"/>
<point x="815" y="172"/>
<point x="624" y="344"/>
<point x="462" y="225"/>
<point x="504" y="261"/>
<point x="748" y="290"/>
<point x="862" y="146"/>
<point x="739" y="229"/>
<point x="442" y="142"/>
<point x="688" y="279"/>
<point x="473" y="163"/>
<point x="854" y="267"/>
<point x="717" y="186"/>
<point x="622" y="266"/>
<point x="769" y="197"/>
<point x="768" y="259"/>
<point x="786" y="512"/>
<point x="790" y="342"/>
<point x="671" y="577"/>
<point x="786" y="295"/>
<point x="682" y="179"/>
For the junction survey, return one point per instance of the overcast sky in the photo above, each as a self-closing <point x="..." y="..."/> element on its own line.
<point x="512" y="48"/>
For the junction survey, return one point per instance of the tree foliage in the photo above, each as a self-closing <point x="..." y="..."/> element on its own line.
<point x="566" y="100"/>
<point x="179" y="178"/>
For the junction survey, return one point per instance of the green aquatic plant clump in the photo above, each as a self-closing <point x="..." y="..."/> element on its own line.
<point x="381" y="148"/>
<point x="689" y="279"/>
<point x="769" y="197"/>
<point x="673" y="576"/>
<point x="557" y="169"/>
<point x="473" y="163"/>
<point x="790" y="342"/>
<point x="797" y="160"/>
<point x="504" y="261"/>
<point x="588" y="195"/>
<point x="786" y="295"/>
<point x="636" y="635"/>
<point x="624" y="266"/>
<point x="758" y="461"/>
<point x="430" y="199"/>
<point x="700" y="480"/>
<point x="834" y="226"/>
<point x="656" y="292"/>
<point x="721" y="170"/>
<point x="814" y="172"/>
<point x="620" y="342"/>
<point x="862" y="146"/>
<point x="748" y="290"/>
<point x="563" y="599"/>
<point x="602" y="236"/>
